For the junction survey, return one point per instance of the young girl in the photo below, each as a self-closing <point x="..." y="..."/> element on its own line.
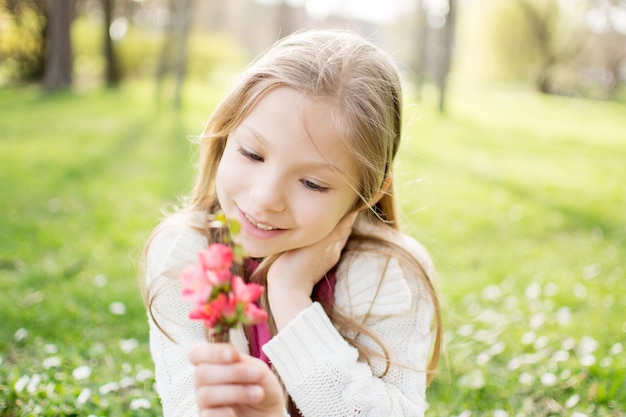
<point x="300" y="153"/>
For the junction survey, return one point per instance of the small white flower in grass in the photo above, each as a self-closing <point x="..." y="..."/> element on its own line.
<point x="117" y="308"/>
<point x="564" y="316"/>
<point x="82" y="372"/>
<point x="110" y="387"/>
<point x="128" y="345"/>
<point x="126" y="368"/>
<point x="100" y="280"/>
<point x="473" y="379"/>
<point x="497" y="348"/>
<point x="31" y="388"/>
<point x="20" y="334"/>
<point x="533" y="291"/>
<point x="572" y="401"/>
<point x="587" y="359"/>
<point x="127" y="382"/>
<point x="51" y="362"/>
<point x="83" y="397"/>
<point x="500" y="413"/>
<point x="550" y="289"/>
<point x="526" y="379"/>
<point x="537" y="321"/>
<point x="580" y="290"/>
<point x="606" y="362"/>
<point x="465" y="330"/>
<point x="548" y="379"/>
<point x="528" y="338"/>
<point x="144" y="375"/>
<point x="491" y="292"/>
<point x="578" y="414"/>
<point x="565" y="374"/>
<point x="139" y="403"/>
<point x="514" y="364"/>
<point x="587" y="345"/>
<point x="50" y="348"/>
<point x="541" y="342"/>
<point x="568" y="344"/>
<point x="21" y="383"/>
<point x="560" y="356"/>
<point x="616" y="349"/>
<point x="465" y="413"/>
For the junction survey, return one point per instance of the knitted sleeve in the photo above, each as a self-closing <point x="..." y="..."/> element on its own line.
<point x="171" y="331"/>
<point x="324" y="374"/>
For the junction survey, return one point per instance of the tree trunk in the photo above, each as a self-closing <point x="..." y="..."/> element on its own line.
<point x="112" y="74"/>
<point x="446" y="56"/>
<point x="58" y="71"/>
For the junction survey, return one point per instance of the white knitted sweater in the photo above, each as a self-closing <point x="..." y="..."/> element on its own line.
<point x="320" y="370"/>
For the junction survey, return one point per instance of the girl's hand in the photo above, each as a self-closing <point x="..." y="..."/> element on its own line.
<point x="291" y="278"/>
<point x="232" y="384"/>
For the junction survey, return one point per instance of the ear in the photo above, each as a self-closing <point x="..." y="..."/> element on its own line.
<point x="384" y="188"/>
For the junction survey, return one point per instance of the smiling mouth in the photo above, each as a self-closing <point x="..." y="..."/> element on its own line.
<point x="259" y="225"/>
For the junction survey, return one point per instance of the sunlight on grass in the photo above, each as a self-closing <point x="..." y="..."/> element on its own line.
<point x="519" y="197"/>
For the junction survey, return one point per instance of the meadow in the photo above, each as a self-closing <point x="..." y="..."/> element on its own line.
<point x="519" y="197"/>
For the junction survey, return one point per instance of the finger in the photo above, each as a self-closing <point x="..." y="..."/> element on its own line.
<point x="218" y="412"/>
<point x="213" y="353"/>
<point x="236" y="373"/>
<point x="210" y="396"/>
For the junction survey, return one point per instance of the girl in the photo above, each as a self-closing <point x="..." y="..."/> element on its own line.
<point x="300" y="153"/>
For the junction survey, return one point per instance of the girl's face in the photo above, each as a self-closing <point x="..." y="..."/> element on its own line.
<point x="285" y="175"/>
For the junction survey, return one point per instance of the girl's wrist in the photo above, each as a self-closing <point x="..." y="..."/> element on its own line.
<point x="287" y="303"/>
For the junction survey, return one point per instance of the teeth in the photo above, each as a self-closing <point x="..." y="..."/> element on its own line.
<point x="260" y="225"/>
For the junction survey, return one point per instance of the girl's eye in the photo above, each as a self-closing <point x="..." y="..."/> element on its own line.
<point x="313" y="186"/>
<point x="251" y="155"/>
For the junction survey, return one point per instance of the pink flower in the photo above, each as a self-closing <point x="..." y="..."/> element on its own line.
<point x="218" y="277"/>
<point x="246" y="292"/>
<point x="223" y="307"/>
<point x="217" y="257"/>
<point x="196" y="288"/>
<point x="253" y="314"/>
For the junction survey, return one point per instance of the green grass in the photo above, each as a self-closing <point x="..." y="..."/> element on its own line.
<point x="519" y="197"/>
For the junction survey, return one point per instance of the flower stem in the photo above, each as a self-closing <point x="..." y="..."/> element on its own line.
<point x="222" y="337"/>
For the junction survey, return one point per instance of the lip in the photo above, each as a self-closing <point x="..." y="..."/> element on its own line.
<point x="252" y="230"/>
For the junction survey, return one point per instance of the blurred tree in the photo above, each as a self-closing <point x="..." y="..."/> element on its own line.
<point x="58" y="71"/>
<point x="445" y="58"/>
<point x="112" y="72"/>
<point x="174" y="51"/>
<point x="23" y="38"/>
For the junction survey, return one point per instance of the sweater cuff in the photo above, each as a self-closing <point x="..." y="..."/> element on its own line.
<point x="308" y="340"/>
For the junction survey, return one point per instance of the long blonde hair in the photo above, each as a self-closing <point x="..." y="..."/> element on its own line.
<point x="363" y="85"/>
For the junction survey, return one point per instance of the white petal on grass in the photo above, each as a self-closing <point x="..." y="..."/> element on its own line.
<point x="587" y="359"/>
<point x="127" y="382"/>
<point x="533" y="291"/>
<point x="31" y="388"/>
<point x="50" y="348"/>
<point x="82" y="372"/>
<point x="580" y="291"/>
<point x="500" y="413"/>
<point x="564" y="316"/>
<point x="541" y="342"/>
<point x="572" y="401"/>
<point x="117" y="308"/>
<point x="144" y="375"/>
<point x="526" y="379"/>
<point x="568" y="344"/>
<point x="465" y="330"/>
<point x="616" y="349"/>
<point x="139" y="403"/>
<point x="528" y="338"/>
<point x="560" y="356"/>
<point x="465" y="413"/>
<point x="100" y="280"/>
<point x="473" y="379"/>
<point x="21" y="383"/>
<point x="491" y="292"/>
<point x="606" y="362"/>
<point x="587" y="345"/>
<point x="20" y="334"/>
<point x="548" y="379"/>
<point x="110" y="387"/>
<point x="52" y="362"/>
<point x="578" y="414"/>
<point x="128" y="345"/>
<point x="537" y="321"/>
<point x="83" y="397"/>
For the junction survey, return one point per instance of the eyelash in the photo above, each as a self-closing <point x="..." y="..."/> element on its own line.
<point x="310" y="185"/>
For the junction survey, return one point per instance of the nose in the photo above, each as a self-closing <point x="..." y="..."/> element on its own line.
<point x="268" y="192"/>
